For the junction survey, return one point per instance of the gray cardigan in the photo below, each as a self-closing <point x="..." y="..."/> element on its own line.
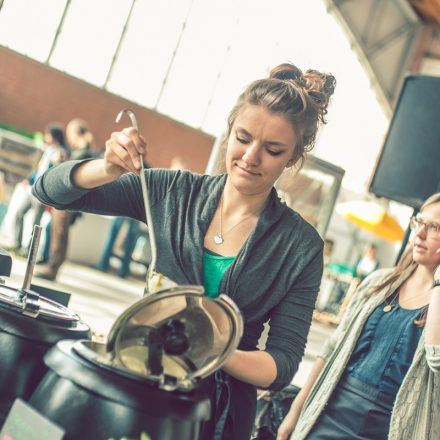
<point x="275" y="275"/>
<point x="416" y="410"/>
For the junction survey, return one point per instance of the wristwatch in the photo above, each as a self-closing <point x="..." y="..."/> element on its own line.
<point x="436" y="283"/>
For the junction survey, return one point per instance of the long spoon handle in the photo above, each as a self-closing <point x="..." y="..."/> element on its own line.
<point x="148" y="216"/>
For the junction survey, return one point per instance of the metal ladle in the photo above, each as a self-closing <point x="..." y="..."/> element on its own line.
<point x="155" y="281"/>
<point x="31" y="304"/>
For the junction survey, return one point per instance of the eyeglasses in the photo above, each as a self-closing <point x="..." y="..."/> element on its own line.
<point x="432" y="229"/>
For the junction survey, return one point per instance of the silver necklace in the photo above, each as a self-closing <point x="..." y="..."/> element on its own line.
<point x="219" y="238"/>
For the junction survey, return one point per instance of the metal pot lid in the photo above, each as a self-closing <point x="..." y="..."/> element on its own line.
<point x="176" y="336"/>
<point x="31" y="304"/>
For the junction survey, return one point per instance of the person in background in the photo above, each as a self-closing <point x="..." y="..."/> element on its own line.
<point x="45" y="252"/>
<point x="80" y="140"/>
<point x="3" y="205"/>
<point x="55" y="152"/>
<point x="130" y="240"/>
<point x="177" y="163"/>
<point x="328" y="248"/>
<point x="129" y="245"/>
<point x="378" y="376"/>
<point x="367" y="264"/>
<point x="230" y="232"/>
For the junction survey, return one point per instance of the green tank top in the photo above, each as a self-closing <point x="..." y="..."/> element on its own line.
<point x="214" y="266"/>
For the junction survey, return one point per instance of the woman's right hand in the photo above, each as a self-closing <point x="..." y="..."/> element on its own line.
<point x="122" y="152"/>
<point x="288" y="424"/>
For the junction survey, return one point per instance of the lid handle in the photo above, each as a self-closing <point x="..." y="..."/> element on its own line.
<point x="175" y="339"/>
<point x="31" y="303"/>
<point x="170" y="338"/>
<point x="32" y="257"/>
<point x="155" y="345"/>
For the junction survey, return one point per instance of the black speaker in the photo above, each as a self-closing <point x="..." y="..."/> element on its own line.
<point x="408" y="168"/>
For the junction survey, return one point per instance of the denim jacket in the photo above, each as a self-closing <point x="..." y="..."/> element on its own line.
<point x="416" y="410"/>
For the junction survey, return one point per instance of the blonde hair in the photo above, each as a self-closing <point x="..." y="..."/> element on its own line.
<point x="405" y="267"/>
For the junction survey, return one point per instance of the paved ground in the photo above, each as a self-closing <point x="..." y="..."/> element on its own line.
<point x="317" y="336"/>
<point x="98" y="298"/>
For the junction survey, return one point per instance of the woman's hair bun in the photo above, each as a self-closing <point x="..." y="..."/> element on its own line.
<point x="287" y="71"/>
<point x="317" y="85"/>
<point x="320" y="86"/>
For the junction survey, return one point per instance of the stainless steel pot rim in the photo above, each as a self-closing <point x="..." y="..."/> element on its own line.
<point x="88" y="350"/>
<point x="12" y="299"/>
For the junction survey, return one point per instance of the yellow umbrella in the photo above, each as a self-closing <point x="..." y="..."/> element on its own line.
<point x="373" y="218"/>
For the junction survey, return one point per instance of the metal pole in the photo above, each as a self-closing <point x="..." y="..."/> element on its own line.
<point x="212" y="165"/>
<point x="405" y="239"/>
<point x="58" y="31"/>
<point x="173" y="56"/>
<point x="118" y="48"/>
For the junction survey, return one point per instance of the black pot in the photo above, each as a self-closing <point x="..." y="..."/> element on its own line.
<point x="29" y="326"/>
<point x="93" y="402"/>
<point x="146" y="379"/>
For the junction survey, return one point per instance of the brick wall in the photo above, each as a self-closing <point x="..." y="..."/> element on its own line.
<point x="33" y="94"/>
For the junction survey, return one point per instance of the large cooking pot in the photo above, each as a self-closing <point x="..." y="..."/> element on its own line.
<point x="29" y="325"/>
<point x="146" y="378"/>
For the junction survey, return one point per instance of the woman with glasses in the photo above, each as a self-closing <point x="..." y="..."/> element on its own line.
<point x="378" y="376"/>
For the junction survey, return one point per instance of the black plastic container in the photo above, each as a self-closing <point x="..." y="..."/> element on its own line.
<point x="29" y="326"/>
<point x="92" y="402"/>
<point x="146" y="378"/>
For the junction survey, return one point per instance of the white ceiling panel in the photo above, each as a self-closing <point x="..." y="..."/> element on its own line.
<point x="385" y="34"/>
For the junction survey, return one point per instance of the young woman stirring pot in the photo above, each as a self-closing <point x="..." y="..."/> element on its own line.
<point x="230" y="233"/>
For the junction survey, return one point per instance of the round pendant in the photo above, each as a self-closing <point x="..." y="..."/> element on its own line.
<point x="218" y="239"/>
<point x="387" y="308"/>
